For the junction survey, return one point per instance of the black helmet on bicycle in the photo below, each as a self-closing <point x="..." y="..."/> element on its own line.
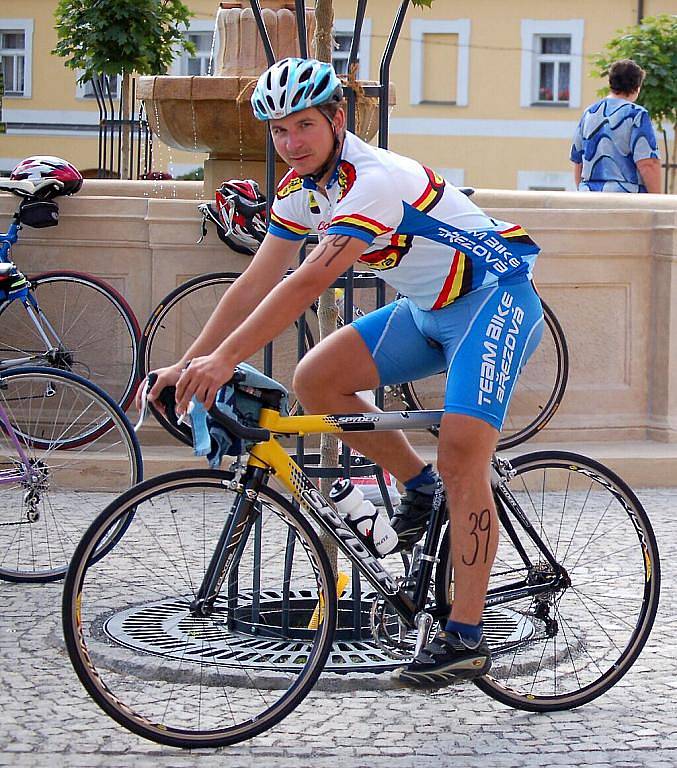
<point x="239" y="214"/>
<point x="47" y="167"/>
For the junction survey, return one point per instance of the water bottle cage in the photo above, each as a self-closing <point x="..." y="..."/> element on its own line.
<point x="368" y="539"/>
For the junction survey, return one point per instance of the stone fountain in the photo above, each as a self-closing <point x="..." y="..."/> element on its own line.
<point x="212" y="113"/>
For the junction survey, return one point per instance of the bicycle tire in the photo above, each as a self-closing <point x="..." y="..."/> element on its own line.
<point x="176" y="322"/>
<point x="93" y="321"/>
<point x="569" y="647"/>
<point x="43" y="516"/>
<point x="186" y="680"/>
<point x="530" y="397"/>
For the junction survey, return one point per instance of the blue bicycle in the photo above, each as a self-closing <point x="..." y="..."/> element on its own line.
<point x="64" y="319"/>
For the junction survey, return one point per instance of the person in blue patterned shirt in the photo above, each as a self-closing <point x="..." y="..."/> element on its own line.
<point x="614" y="147"/>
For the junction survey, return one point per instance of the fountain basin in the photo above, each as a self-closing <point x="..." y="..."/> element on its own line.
<point x="213" y="114"/>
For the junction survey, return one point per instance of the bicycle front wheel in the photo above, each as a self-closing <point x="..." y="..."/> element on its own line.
<point x="49" y="494"/>
<point x="173" y="674"/>
<point x="567" y="646"/>
<point x="538" y="393"/>
<point x="182" y="314"/>
<point x="79" y="324"/>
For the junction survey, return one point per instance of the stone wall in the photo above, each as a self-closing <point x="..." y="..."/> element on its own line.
<point x="608" y="268"/>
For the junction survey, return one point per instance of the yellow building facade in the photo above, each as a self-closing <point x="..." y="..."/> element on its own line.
<point x="488" y="93"/>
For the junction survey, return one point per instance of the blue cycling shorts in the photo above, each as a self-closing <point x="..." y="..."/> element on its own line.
<point x="482" y="340"/>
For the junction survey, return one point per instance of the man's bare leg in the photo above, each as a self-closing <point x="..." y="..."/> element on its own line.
<point x="461" y="652"/>
<point x="464" y="456"/>
<point x="326" y="381"/>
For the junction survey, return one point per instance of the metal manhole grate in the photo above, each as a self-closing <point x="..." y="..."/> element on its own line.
<point x="166" y="628"/>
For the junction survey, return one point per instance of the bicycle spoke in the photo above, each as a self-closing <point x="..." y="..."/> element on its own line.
<point x="207" y="675"/>
<point x="47" y="511"/>
<point x="577" y="639"/>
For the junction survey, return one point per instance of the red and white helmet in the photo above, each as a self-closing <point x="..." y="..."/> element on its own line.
<point x="46" y="167"/>
<point x="241" y="211"/>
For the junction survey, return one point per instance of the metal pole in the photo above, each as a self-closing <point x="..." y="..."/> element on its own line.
<point x="352" y="61"/>
<point x="265" y="39"/>
<point x="101" y="127"/>
<point x="384" y="74"/>
<point x="132" y="126"/>
<point x="119" y="120"/>
<point x="301" y="27"/>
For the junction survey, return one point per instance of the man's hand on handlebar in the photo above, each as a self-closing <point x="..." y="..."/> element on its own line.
<point x="202" y="379"/>
<point x="165" y="377"/>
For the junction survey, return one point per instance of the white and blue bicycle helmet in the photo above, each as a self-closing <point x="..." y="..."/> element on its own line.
<point x="291" y="85"/>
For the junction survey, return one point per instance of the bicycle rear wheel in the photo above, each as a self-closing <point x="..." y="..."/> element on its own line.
<point x="566" y="647"/>
<point x="176" y="676"/>
<point x="537" y="396"/>
<point x="91" y="329"/>
<point x="182" y="314"/>
<point x="50" y="495"/>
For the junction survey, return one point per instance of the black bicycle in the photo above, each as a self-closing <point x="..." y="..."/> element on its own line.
<point x="214" y="615"/>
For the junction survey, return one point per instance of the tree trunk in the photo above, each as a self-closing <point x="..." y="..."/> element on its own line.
<point x="327" y="313"/>
<point x="125" y="115"/>
<point x="672" y="189"/>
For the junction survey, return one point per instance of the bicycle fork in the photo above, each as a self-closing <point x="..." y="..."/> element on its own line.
<point x="232" y="536"/>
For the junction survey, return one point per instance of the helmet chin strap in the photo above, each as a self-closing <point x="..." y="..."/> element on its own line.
<point x="330" y="162"/>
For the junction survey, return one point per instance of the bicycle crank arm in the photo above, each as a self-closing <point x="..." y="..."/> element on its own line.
<point x="424" y="622"/>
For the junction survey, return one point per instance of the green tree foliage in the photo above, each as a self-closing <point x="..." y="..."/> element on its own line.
<point x="121" y="36"/>
<point x="653" y="45"/>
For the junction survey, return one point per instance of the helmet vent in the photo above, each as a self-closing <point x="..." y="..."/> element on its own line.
<point x="321" y="86"/>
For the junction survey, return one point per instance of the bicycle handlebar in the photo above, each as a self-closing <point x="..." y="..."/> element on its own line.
<point x="168" y="399"/>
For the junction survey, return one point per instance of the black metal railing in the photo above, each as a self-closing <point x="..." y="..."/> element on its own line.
<point x="125" y="142"/>
<point x="349" y="466"/>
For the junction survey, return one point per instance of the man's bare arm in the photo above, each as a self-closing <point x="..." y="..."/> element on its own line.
<point x="283" y="305"/>
<point x="650" y="171"/>
<point x="274" y="257"/>
<point x="267" y="268"/>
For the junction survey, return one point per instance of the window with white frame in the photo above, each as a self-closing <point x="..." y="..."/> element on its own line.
<point x="440" y="61"/>
<point x="552" y="61"/>
<point x="552" y="53"/>
<point x="110" y="85"/>
<point x="16" y="37"/>
<point x="200" y="62"/>
<point x="204" y="37"/>
<point x="343" y="35"/>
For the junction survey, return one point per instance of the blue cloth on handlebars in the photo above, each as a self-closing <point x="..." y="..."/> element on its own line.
<point x="238" y="402"/>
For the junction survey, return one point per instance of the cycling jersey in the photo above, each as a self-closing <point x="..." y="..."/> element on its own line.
<point x="425" y="238"/>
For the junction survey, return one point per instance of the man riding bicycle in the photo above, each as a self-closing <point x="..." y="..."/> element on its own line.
<point x="468" y="307"/>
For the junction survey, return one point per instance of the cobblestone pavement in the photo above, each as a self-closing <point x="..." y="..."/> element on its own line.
<point x="46" y="717"/>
